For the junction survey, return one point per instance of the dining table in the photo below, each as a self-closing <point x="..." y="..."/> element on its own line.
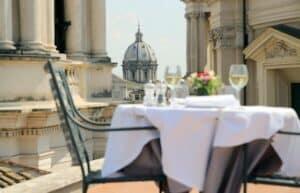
<point x="200" y="141"/>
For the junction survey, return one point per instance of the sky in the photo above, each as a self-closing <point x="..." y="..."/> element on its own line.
<point x="162" y="24"/>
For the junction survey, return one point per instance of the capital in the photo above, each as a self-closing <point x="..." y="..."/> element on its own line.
<point x="194" y="15"/>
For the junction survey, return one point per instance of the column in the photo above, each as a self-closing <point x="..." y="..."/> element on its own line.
<point x="202" y="41"/>
<point x="124" y="74"/>
<point x="86" y="26"/>
<point x="98" y="27"/>
<point x="150" y="75"/>
<point x="31" y="26"/>
<point x="129" y="75"/>
<point x="142" y="75"/>
<point x="6" y="42"/>
<point x="194" y="42"/>
<point x="50" y="26"/>
<point x="137" y="74"/>
<point x="44" y="22"/>
<point x="188" y="43"/>
<point x="75" y="37"/>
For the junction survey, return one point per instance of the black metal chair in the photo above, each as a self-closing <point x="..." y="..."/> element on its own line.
<point x="72" y="121"/>
<point x="276" y="180"/>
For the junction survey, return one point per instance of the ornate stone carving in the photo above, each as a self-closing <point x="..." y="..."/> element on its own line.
<point x="223" y="37"/>
<point x="281" y="49"/>
<point x="215" y="34"/>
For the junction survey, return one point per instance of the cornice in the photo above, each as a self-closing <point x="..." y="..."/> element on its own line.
<point x="267" y="17"/>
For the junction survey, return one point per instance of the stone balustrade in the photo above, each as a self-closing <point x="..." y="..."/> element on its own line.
<point x="32" y="135"/>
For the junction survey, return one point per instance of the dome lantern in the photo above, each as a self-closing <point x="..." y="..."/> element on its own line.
<point x="138" y="35"/>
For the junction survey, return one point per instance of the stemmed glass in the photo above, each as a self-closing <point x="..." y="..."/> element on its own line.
<point x="238" y="78"/>
<point x="172" y="77"/>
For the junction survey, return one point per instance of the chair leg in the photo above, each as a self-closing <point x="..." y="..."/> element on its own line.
<point x="160" y="186"/>
<point x="84" y="187"/>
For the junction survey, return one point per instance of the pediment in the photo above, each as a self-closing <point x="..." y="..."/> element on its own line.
<point x="273" y="44"/>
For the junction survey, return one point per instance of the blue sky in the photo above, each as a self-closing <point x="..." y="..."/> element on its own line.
<point x="162" y="23"/>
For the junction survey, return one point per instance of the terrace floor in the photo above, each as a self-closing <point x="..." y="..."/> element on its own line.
<point x="149" y="187"/>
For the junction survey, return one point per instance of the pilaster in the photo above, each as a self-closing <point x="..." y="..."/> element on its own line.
<point x="202" y="38"/>
<point x="227" y="43"/>
<point x="194" y="42"/>
<point x="188" y="43"/>
<point x="6" y="34"/>
<point x="197" y="28"/>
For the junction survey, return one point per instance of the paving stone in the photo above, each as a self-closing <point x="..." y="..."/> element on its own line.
<point x="150" y="187"/>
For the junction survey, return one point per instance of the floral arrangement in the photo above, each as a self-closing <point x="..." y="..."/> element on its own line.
<point x="204" y="83"/>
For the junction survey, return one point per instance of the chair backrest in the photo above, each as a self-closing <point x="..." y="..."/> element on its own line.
<point x="72" y="133"/>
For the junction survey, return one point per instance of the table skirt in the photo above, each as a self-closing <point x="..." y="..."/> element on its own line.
<point x="225" y="166"/>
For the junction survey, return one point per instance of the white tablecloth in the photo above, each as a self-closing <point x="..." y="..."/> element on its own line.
<point x="188" y="134"/>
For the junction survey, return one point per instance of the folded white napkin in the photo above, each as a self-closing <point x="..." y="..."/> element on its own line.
<point x="217" y="101"/>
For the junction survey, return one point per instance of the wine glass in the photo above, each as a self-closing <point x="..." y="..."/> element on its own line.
<point x="172" y="74"/>
<point x="172" y="77"/>
<point x="238" y="78"/>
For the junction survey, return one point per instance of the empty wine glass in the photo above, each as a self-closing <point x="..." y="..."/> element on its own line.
<point x="238" y="78"/>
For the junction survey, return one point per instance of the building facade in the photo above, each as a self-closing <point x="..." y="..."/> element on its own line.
<point x="139" y="63"/>
<point x="72" y="33"/>
<point x="215" y="39"/>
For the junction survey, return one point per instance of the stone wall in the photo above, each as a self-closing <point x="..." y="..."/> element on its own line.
<point x="32" y="135"/>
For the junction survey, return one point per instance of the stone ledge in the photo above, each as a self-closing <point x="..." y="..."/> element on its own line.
<point x="54" y="182"/>
<point x="45" y="106"/>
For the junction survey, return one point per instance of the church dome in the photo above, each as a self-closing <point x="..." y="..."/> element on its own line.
<point x="139" y="52"/>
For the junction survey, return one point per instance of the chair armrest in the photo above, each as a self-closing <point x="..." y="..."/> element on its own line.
<point x="288" y="133"/>
<point x="275" y="180"/>
<point x="87" y="120"/>
<point x="106" y="129"/>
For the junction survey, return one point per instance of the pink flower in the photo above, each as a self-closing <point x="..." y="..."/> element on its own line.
<point x="205" y="75"/>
